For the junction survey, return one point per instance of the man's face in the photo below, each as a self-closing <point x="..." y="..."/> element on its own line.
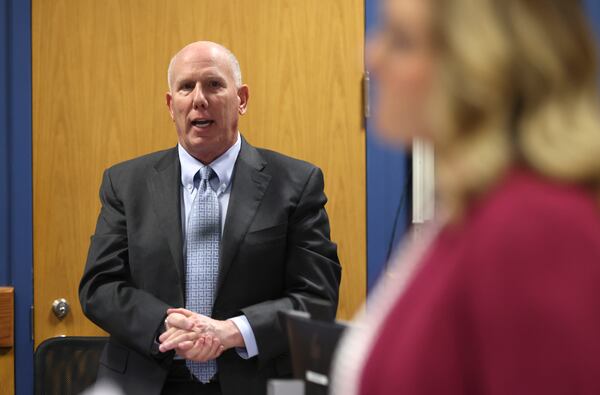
<point x="204" y="102"/>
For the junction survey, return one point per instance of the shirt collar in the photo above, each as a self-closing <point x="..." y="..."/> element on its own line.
<point x="222" y="166"/>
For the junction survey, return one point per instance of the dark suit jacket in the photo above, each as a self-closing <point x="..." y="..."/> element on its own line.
<point x="276" y="254"/>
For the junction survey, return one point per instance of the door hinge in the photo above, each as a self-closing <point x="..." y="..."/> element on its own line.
<point x="366" y="94"/>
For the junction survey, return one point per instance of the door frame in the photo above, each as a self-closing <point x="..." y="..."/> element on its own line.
<point x="16" y="192"/>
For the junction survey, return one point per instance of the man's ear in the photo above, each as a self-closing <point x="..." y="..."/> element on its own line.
<point x="169" y="99"/>
<point x="243" y="95"/>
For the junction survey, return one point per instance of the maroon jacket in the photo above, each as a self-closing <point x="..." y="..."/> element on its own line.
<point x="507" y="302"/>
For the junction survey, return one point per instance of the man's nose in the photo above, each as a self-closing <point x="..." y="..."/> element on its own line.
<point x="199" y="98"/>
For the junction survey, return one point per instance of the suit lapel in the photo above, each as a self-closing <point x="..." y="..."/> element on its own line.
<point x="163" y="184"/>
<point x="249" y="184"/>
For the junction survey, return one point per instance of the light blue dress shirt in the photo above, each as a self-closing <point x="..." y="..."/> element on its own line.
<point x="223" y="167"/>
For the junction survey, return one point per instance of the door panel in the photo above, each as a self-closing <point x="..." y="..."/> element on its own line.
<point x="7" y="371"/>
<point x="99" y="81"/>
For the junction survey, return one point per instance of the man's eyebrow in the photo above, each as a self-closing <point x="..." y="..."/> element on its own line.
<point x="182" y="79"/>
<point x="209" y="75"/>
<point x="212" y="74"/>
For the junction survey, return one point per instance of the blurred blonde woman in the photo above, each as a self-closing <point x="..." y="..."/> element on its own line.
<point x="505" y="297"/>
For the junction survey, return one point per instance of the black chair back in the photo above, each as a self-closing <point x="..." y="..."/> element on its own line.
<point x="67" y="365"/>
<point x="312" y="345"/>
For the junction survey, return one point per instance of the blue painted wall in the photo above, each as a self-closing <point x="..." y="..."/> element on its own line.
<point x="388" y="188"/>
<point x="15" y="177"/>
<point x="5" y="269"/>
<point x="593" y="7"/>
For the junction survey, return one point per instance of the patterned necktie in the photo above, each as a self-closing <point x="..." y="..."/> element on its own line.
<point x="203" y="236"/>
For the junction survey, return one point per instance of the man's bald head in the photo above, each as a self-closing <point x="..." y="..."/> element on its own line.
<point x="209" y="49"/>
<point x="206" y="98"/>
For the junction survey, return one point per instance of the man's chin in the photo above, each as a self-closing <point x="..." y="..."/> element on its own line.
<point x="206" y="148"/>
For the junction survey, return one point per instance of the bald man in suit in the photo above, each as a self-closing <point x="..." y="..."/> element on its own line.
<point x="212" y="222"/>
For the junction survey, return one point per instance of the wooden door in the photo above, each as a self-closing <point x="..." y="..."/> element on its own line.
<point x="99" y="79"/>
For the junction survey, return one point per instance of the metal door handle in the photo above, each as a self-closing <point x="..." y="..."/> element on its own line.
<point x="60" y="308"/>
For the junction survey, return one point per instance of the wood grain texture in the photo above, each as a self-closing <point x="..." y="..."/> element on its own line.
<point x="7" y="371"/>
<point x="7" y="355"/>
<point x="99" y="80"/>
<point x="7" y="316"/>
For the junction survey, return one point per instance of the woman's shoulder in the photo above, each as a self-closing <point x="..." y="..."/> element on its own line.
<point x="526" y="204"/>
<point x="530" y="225"/>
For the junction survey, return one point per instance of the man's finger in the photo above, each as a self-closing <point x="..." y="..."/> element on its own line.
<point x="190" y="315"/>
<point x="166" y="334"/>
<point x="182" y="311"/>
<point x="173" y="341"/>
<point x="172" y="334"/>
<point x="185" y="346"/>
<point x="179" y="321"/>
<point x="204" y="352"/>
<point x="196" y="351"/>
<point x="214" y="351"/>
<point x="209" y="351"/>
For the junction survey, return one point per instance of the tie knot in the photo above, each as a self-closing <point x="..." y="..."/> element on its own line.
<point x="206" y="173"/>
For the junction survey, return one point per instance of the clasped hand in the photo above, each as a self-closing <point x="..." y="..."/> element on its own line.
<point x="197" y="337"/>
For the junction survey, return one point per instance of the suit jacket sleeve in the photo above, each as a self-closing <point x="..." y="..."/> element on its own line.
<point x="312" y="270"/>
<point x="107" y="292"/>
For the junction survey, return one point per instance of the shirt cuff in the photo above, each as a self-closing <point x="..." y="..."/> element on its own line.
<point x="251" y="349"/>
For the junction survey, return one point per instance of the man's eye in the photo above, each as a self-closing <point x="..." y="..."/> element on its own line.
<point x="187" y="87"/>
<point x="215" y="84"/>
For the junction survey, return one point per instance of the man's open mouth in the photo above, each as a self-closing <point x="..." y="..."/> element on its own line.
<point x="202" y="123"/>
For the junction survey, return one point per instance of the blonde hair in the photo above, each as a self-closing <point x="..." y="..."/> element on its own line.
<point x="517" y="84"/>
